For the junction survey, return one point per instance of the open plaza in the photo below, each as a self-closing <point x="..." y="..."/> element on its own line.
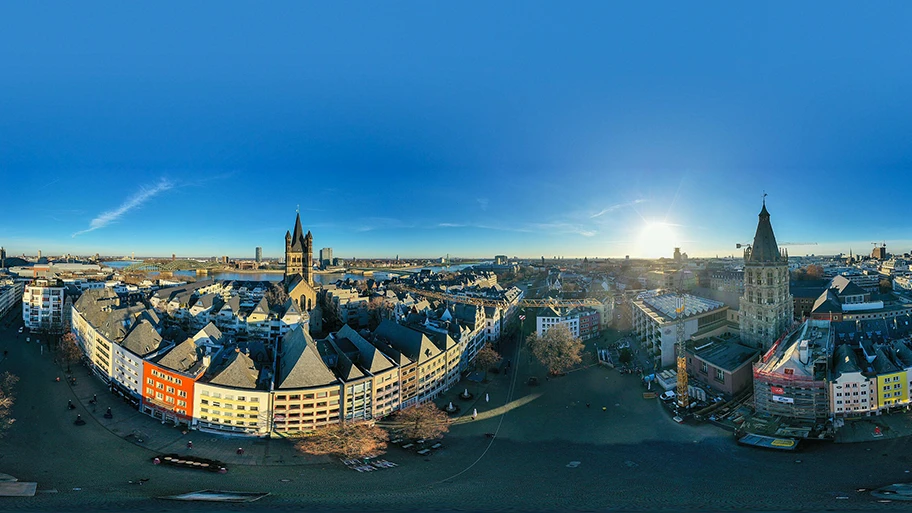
<point x="586" y="440"/>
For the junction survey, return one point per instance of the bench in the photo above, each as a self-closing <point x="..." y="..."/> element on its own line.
<point x="424" y="451"/>
<point x="437" y="446"/>
<point x="408" y="446"/>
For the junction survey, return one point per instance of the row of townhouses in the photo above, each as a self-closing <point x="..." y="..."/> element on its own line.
<point x="209" y="379"/>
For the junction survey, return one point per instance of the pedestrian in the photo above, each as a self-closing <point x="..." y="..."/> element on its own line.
<point x="474" y="413"/>
<point x="240" y="451"/>
<point x="189" y="444"/>
<point x="487" y="398"/>
<point x="587" y="405"/>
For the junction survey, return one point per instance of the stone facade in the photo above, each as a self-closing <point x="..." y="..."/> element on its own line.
<point x="766" y="305"/>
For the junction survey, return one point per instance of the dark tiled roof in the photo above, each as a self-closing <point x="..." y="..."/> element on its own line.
<point x="181" y="357"/>
<point x="301" y="365"/>
<point x="412" y="344"/>
<point x="845" y="360"/>
<point x="142" y="339"/>
<point x="764" y="248"/>
<point x="238" y="371"/>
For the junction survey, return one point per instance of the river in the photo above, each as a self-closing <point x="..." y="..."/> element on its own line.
<point x="277" y="275"/>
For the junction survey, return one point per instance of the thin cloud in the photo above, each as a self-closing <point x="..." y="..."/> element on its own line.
<point x="619" y="206"/>
<point x="450" y="225"/>
<point x="143" y="195"/>
<point x="483" y="202"/>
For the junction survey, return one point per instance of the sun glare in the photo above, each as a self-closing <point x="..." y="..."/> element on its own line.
<point x="656" y="240"/>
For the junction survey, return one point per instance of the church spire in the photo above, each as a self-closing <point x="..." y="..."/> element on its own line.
<point x="297" y="237"/>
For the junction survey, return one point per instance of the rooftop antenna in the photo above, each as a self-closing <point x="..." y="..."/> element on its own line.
<point x="764" y="198"/>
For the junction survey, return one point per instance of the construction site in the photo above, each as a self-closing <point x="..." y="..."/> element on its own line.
<point x="790" y="388"/>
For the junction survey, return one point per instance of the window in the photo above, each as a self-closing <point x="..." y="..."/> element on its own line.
<point x="720" y="376"/>
<point x="149" y="381"/>
<point x="170" y="390"/>
<point x="181" y="393"/>
<point x="204" y="401"/>
<point x="703" y="367"/>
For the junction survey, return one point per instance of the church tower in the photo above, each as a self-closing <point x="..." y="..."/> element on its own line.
<point x="299" y="253"/>
<point x="766" y="305"/>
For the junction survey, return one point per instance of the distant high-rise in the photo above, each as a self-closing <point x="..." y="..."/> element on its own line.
<point x="500" y="259"/>
<point x="677" y="255"/>
<point x="39" y="254"/>
<point x="2" y="257"/>
<point x="326" y="257"/>
<point x="259" y="254"/>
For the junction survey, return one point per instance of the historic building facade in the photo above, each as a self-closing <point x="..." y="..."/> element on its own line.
<point x="766" y="305"/>
<point x="299" y="267"/>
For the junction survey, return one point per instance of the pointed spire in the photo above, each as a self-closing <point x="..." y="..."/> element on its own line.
<point x="764" y="248"/>
<point x="297" y="237"/>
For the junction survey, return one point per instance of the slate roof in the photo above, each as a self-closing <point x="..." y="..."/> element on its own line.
<point x="845" y="287"/>
<point x="142" y="339"/>
<point x="827" y="303"/>
<point x="764" y="248"/>
<point x="211" y="331"/>
<point x="370" y="358"/>
<point x="182" y="357"/>
<point x="883" y="364"/>
<point x="297" y="238"/>
<point x="238" y="371"/>
<point x="414" y="345"/>
<point x="845" y="360"/>
<point x="300" y="365"/>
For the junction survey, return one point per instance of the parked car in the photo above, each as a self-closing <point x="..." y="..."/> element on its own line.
<point x="668" y="396"/>
<point x="20" y="329"/>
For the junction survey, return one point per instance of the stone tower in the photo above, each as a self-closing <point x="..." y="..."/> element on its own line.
<point x="299" y="253"/>
<point x="766" y="305"/>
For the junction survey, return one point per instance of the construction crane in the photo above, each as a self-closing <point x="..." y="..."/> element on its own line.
<point x="680" y="355"/>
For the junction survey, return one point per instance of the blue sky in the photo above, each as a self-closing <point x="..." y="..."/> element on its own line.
<point x="421" y="129"/>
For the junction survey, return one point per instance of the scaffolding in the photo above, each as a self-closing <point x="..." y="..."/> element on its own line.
<point x="780" y="391"/>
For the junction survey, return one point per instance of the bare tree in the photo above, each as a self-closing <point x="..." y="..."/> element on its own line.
<point x="349" y="440"/>
<point x="275" y="295"/>
<point x="423" y="421"/>
<point x="487" y="358"/>
<point x="885" y="285"/>
<point x="7" y="398"/>
<point x="70" y="350"/>
<point x="377" y="310"/>
<point x="557" y="349"/>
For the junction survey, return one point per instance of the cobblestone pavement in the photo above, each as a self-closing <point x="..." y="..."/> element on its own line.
<point x="552" y="451"/>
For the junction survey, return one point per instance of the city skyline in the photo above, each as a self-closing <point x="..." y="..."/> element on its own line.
<point x="588" y="137"/>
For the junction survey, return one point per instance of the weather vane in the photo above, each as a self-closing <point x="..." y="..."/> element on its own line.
<point x="298" y="208"/>
<point x="764" y="198"/>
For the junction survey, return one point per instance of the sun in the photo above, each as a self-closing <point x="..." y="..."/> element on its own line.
<point x="656" y="240"/>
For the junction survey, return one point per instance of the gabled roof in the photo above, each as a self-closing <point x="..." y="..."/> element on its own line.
<point x="262" y="307"/>
<point x="414" y="345"/>
<point x="181" y="357"/>
<point x="764" y="248"/>
<point x="142" y="339"/>
<point x="845" y="360"/>
<point x="370" y="358"/>
<point x="845" y="287"/>
<point x="238" y="371"/>
<point x="827" y="303"/>
<point x="883" y="364"/>
<point x="300" y="364"/>
<point x="210" y="330"/>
